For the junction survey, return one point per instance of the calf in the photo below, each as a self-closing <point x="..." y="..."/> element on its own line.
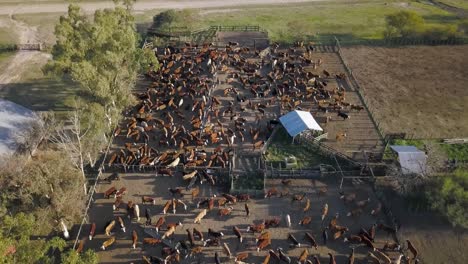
<point x="134" y="239"/>
<point x="112" y="190"/>
<point x="151" y="241"/>
<point x="120" y="192"/>
<point x="108" y="243"/>
<point x="343" y="115"/>
<point x="357" y="107"/>
<point x="109" y="228"/>
<point x="263" y="244"/>
<point x="225" y="211"/>
<point x="200" y="216"/>
<point x="243" y="197"/>
<point x="256" y="228"/>
<point x="311" y="239"/>
<point x="92" y="231"/>
<point x="147" y="199"/>
<point x="237" y="233"/>
<point x="272" y="222"/>
<point x="159" y="223"/>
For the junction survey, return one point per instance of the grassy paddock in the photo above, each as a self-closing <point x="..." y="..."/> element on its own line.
<point x="364" y="20"/>
<point x="282" y="147"/>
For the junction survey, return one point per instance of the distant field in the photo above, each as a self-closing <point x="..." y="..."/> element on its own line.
<point x="7" y="33"/>
<point x="346" y="20"/>
<point x="456" y="3"/>
<point x="419" y="90"/>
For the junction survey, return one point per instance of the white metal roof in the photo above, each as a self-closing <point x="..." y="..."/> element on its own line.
<point x="14" y="118"/>
<point x="412" y="160"/>
<point x="297" y="121"/>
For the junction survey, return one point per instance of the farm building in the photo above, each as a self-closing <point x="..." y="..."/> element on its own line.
<point x="411" y="159"/>
<point x="296" y="122"/>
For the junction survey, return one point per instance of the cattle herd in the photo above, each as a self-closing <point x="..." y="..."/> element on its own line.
<point x="203" y="104"/>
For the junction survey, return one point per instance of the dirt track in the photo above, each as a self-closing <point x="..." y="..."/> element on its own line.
<point x="16" y="65"/>
<point x="139" y="6"/>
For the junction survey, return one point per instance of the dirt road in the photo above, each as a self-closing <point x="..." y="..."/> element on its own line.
<point x="139" y="6"/>
<point x="17" y="65"/>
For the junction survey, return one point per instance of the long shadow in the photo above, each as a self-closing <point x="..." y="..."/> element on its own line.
<point x="442" y="19"/>
<point x="40" y="95"/>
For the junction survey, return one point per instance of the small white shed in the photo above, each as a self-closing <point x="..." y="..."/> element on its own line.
<point x="412" y="160"/>
<point x="297" y="121"/>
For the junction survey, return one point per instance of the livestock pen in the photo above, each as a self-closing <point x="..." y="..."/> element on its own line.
<point x="212" y="130"/>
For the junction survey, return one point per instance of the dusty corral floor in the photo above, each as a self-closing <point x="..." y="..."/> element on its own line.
<point x="418" y="90"/>
<point x="139" y="184"/>
<point x="436" y="240"/>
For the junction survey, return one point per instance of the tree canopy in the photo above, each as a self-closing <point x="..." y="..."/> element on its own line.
<point x="451" y="199"/>
<point x="403" y="24"/>
<point x="172" y="19"/>
<point x="102" y="55"/>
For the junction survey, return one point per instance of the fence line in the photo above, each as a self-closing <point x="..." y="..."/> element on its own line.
<point x="393" y="42"/>
<point x="359" y="91"/>
<point x="93" y="189"/>
<point x="328" y="149"/>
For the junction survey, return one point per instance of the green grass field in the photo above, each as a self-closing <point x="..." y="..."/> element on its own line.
<point x="5" y="57"/>
<point x="349" y="21"/>
<point x="281" y="148"/>
<point x="456" y="3"/>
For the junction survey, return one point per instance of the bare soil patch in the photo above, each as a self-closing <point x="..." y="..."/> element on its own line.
<point x="417" y="90"/>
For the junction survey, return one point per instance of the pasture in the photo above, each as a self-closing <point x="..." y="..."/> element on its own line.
<point x="417" y="90"/>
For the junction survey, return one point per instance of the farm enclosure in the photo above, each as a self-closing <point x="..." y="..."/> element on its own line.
<point x="419" y="90"/>
<point x="249" y="93"/>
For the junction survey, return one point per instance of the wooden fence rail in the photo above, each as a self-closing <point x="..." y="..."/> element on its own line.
<point x="359" y="91"/>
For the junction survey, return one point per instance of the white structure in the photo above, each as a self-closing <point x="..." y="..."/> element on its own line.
<point x="296" y="122"/>
<point x="412" y="160"/>
<point x="14" y="118"/>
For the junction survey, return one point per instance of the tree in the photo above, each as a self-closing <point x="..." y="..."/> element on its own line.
<point x="72" y="257"/>
<point x="47" y="182"/>
<point x="102" y="56"/>
<point x="15" y="243"/>
<point x="172" y="19"/>
<point x="451" y="198"/>
<point x="403" y="24"/>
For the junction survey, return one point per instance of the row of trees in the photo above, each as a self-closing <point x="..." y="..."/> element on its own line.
<point x="407" y="24"/>
<point x="103" y="56"/>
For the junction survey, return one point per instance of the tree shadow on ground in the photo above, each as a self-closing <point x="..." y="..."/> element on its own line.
<point x="41" y="95"/>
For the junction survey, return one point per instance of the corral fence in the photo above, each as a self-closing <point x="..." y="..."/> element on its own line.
<point x="92" y="189"/>
<point x="359" y="92"/>
<point x="310" y="141"/>
<point x="388" y="42"/>
<point x="28" y="46"/>
<point x="202" y="34"/>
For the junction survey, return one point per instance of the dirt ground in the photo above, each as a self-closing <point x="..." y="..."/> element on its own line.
<point x="436" y="240"/>
<point x="148" y="184"/>
<point x="417" y="90"/>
